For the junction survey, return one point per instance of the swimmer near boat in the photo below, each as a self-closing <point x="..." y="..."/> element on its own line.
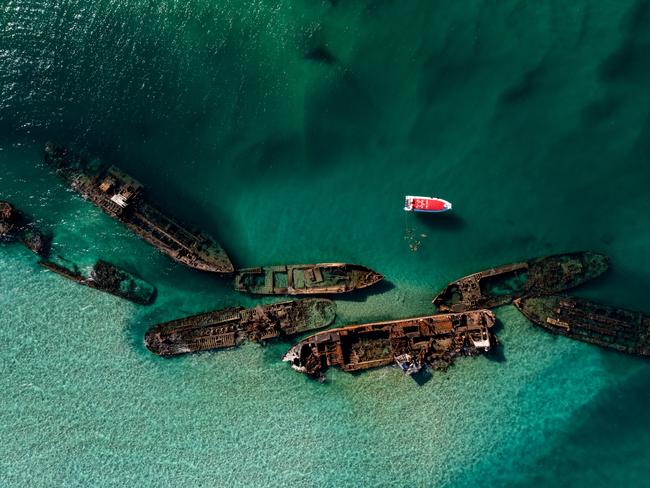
<point x="421" y="205"/>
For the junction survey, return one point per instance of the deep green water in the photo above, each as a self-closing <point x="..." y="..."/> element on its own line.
<point x="291" y="131"/>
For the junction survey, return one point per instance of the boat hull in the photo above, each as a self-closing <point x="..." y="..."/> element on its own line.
<point x="14" y="225"/>
<point x="305" y="279"/>
<point x="501" y="285"/>
<point x="411" y="343"/>
<point x="106" y="277"/>
<point x="8" y="219"/>
<point x="231" y="327"/>
<point x="591" y="322"/>
<point x="426" y="204"/>
<point x="124" y="199"/>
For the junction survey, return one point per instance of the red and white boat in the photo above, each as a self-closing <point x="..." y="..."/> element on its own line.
<point x="426" y="204"/>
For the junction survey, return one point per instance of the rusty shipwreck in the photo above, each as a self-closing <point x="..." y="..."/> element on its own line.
<point x="106" y="277"/>
<point x="591" y="322"/>
<point x="124" y="199"/>
<point x="230" y="327"/>
<point x="305" y="279"/>
<point x="410" y="343"/>
<point x="8" y="219"/>
<point x="541" y="276"/>
<point x="14" y="225"/>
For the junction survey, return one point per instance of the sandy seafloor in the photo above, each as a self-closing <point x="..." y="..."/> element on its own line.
<point x="291" y="131"/>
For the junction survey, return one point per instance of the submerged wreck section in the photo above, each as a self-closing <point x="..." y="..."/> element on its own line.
<point x="499" y="286"/>
<point x="230" y="327"/>
<point x="305" y="279"/>
<point x="410" y="343"/>
<point x="591" y="322"/>
<point x="124" y="199"/>
<point x="8" y="217"/>
<point x="14" y="225"/>
<point x="105" y="277"/>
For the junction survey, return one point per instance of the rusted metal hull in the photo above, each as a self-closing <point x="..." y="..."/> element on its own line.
<point x="230" y="327"/>
<point x="500" y="286"/>
<point x="14" y="225"/>
<point x="305" y="279"/>
<point x="108" y="278"/>
<point x="591" y="322"/>
<point x="8" y="219"/>
<point x="411" y="343"/>
<point x="124" y="199"/>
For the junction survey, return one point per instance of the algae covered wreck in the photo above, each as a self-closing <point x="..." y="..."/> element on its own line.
<point x="592" y="322"/>
<point x="106" y="277"/>
<point x="232" y="326"/>
<point x="412" y="344"/>
<point x="8" y="219"/>
<point x="499" y="286"/>
<point x="305" y="279"/>
<point x="14" y="225"/>
<point x="125" y="199"/>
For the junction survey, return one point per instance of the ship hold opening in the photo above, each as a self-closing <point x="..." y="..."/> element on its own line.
<point x="280" y="279"/>
<point x="504" y="284"/>
<point x="449" y="296"/>
<point x="252" y="281"/>
<point x="359" y="348"/>
<point x="411" y="329"/>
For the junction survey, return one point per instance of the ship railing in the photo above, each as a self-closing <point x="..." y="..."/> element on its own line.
<point x="159" y="219"/>
<point x="155" y="228"/>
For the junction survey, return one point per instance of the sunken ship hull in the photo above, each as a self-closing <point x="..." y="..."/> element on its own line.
<point x="410" y="343"/>
<point x="106" y="277"/>
<point x="227" y="328"/>
<point x="8" y="220"/>
<point x="305" y="279"/>
<point x="14" y="225"/>
<point x="499" y="286"/>
<point x="591" y="322"/>
<point x="124" y="199"/>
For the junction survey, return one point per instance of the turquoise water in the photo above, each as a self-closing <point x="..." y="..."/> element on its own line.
<point x="291" y="131"/>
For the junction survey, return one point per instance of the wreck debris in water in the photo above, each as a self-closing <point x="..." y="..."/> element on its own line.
<point x="124" y="199"/>
<point x="15" y="225"/>
<point x="305" y="279"/>
<point x="591" y="322"/>
<point x="7" y="219"/>
<point x="230" y="327"/>
<point x="105" y="277"/>
<point x="411" y="343"/>
<point x="499" y="286"/>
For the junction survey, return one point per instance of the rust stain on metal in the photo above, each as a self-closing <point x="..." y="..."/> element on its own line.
<point x="14" y="225"/>
<point x="124" y="199"/>
<point x="106" y="277"/>
<point x="410" y="343"/>
<point x="501" y="285"/>
<point x="232" y="326"/>
<point x="591" y="322"/>
<point x="305" y="279"/>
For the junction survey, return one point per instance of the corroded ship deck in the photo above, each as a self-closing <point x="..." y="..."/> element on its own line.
<point x="15" y="225"/>
<point x="305" y="279"/>
<point x="499" y="286"/>
<point x="230" y="327"/>
<point x="108" y="278"/>
<point x="411" y="343"/>
<point x="124" y="199"/>
<point x="587" y="321"/>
